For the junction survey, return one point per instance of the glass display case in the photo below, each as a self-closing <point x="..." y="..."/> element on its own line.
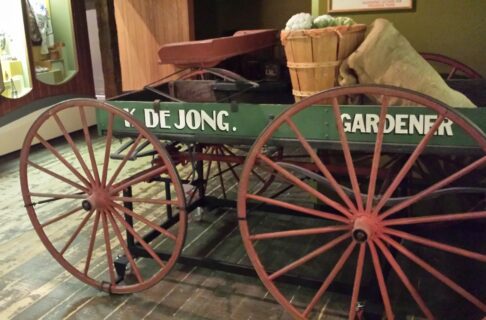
<point x="14" y="57"/>
<point x="52" y="40"/>
<point x="2" y="87"/>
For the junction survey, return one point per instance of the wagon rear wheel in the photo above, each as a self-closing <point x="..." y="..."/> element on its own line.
<point x="92" y="211"/>
<point x="362" y="224"/>
<point x="453" y="69"/>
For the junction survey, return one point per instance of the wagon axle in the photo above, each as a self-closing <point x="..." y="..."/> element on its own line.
<point x="86" y="205"/>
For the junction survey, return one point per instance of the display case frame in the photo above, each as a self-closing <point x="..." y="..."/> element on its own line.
<point x="336" y="6"/>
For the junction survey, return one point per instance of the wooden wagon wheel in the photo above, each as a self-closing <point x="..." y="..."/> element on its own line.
<point x="356" y="236"/>
<point x="221" y="170"/>
<point x="89" y="209"/>
<point x="457" y="68"/>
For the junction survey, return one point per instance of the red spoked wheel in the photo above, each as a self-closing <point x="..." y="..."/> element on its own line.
<point x="221" y="168"/>
<point x="453" y="68"/>
<point x="227" y="172"/>
<point x="376" y="233"/>
<point x="89" y="209"/>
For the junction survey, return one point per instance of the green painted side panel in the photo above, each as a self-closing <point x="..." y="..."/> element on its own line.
<point x="220" y="122"/>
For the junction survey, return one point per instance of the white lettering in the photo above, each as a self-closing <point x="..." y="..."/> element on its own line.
<point x="164" y="114"/>
<point x="445" y="128"/>
<point x="199" y="119"/>
<point x="429" y="122"/>
<point x="372" y="123"/>
<point x="345" y="118"/>
<point x="209" y="120"/>
<point x="193" y="119"/>
<point x="182" y="120"/>
<point x="389" y="123"/>
<point x="396" y="124"/>
<point x="223" y="125"/>
<point x="401" y="124"/>
<point x="151" y="118"/>
<point x="358" y="123"/>
<point x="416" y="124"/>
<point x="130" y="111"/>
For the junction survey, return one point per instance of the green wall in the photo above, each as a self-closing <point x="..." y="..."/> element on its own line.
<point x="451" y="27"/>
<point x="454" y="28"/>
<point x="215" y="18"/>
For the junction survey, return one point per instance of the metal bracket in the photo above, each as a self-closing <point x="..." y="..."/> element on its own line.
<point x="156" y="105"/>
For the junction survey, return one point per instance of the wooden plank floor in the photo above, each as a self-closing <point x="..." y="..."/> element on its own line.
<point x="34" y="286"/>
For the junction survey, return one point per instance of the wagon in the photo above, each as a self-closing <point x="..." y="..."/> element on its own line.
<point x="380" y="204"/>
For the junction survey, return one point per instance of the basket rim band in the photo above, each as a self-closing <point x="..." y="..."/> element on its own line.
<point x="308" y="65"/>
<point x="300" y="93"/>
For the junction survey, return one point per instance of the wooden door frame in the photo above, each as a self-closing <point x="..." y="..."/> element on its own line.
<point x="110" y="54"/>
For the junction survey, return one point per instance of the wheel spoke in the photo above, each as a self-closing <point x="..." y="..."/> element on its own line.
<point x="309" y="256"/>
<point x="125" y="248"/>
<point x="76" y="232"/>
<point x="57" y="176"/>
<point x="220" y="175"/>
<point x="61" y="216"/>
<point x="330" y="278"/>
<point x="137" y="237"/>
<point x="347" y="154"/>
<point x="109" y="257"/>
<point x="124" y="160"/>
<point x="142" y="176"/>
<point x="357" y="281"/>
<point x="403" y="277"/>
<point x="57" y="195"/>
<point x="92" y="240"/>
<point x="436" y="218"/>
<point x="324" y="170"/>
<point x="89" y="144"/>
<point x="145" y="200"/>
<point x="228" y="150"/>
<point x="290" y="206"/>
<point x="230" y="166"/>
<point x="393" y="165"/>
<point x="459" y="174"/>
<point x="259" y="177"/>
<point x="108" y="141"/>
<point x="408" y="165"/>
<point x="145" y="220"/>
<point x="299" y="232"/>
<point x="377" y="154"/>
<point x="62" y="159"/>
<point x="437" y="245"/>
<point x="75" y="149"/>
<point x="381" y="282"/>
<point x="208" y="171"/>
<point x="440" y="276"/>
<point x="304" y="186"/>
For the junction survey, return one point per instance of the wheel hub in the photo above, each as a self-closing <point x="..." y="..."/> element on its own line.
<point x="99" y="199"/>
<point x="364" y="228"/>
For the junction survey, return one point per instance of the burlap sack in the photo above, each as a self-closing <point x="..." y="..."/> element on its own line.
<point x="386" y="57"/>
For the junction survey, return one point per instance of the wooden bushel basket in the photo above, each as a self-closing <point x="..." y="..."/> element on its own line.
<point x="314" y="56"/>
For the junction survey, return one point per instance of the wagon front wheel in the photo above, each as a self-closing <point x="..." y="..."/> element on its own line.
<point x="356" y="222"/>
<point x="95" y="201"/>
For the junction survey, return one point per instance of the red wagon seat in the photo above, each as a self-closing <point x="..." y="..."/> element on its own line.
<point x="210" y="52"/>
